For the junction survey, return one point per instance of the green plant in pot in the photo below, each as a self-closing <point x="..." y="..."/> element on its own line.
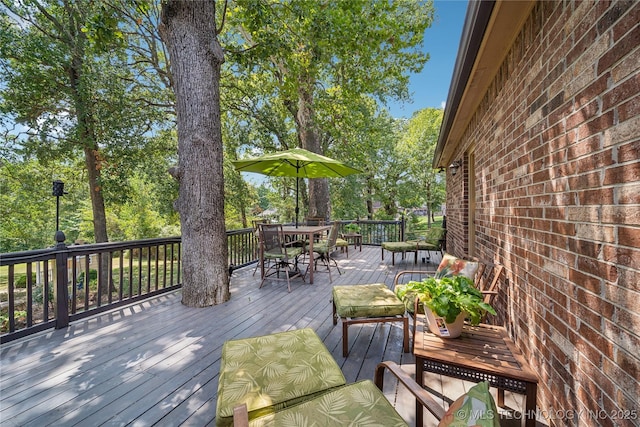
<point x="447" y="302"/>
<point x="352" y="227"/>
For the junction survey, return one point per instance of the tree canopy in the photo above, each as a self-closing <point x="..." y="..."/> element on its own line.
<point x="87" y="96"/>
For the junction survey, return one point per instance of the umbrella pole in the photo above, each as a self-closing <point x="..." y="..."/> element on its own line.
<point x="297" y="201"/>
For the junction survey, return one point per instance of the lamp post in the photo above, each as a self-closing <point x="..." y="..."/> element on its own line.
<point x="58" y="191"/>
<point x="62" y="292"/>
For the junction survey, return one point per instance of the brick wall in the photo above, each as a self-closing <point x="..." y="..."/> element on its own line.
<point x="556" y="149"/>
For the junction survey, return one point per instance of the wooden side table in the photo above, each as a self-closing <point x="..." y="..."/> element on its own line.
<point x="481" y="353"/>
<point x="356" y="238"/>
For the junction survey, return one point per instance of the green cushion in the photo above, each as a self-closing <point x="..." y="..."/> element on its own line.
<point x="431" y="241"/>
<point x="272" y="372"/>
<point x="398" y="246"/>
<point x="361" y="404"/>
<point x="321" y="247"/>
<point x="366" y="301"/>
<point x="341" y="243"/>
<point x="292" y="252"/>
<point x="409" y="300"/>
<point x="474" y="408"/>
<point x="423" y="246"/>
<point x="434" y="235"/>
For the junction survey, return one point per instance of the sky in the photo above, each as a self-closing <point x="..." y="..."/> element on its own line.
<point x="431" y="87"/>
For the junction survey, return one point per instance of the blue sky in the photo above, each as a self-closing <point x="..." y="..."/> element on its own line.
<point x="431" y="86"/>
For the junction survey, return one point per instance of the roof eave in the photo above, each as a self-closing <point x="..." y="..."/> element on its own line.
<point x="489" y="31"/>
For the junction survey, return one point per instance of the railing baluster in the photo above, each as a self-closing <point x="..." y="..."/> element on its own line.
<point x="12" y="307"/>
<point x="242" y="251"/>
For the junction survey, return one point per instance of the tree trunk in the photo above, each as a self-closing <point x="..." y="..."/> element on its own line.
<point x="87" y="139"/>
<point x="319" y="200"/>
<point x="188" y="29"/>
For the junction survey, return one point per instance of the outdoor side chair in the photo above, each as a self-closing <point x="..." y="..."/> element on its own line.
<point x="324" y="248"/>
<point x="283" y="255"/>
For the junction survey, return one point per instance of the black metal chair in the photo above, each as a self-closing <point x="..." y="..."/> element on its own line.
<point x="282" y="254"/>
<point x="325" y="248"/>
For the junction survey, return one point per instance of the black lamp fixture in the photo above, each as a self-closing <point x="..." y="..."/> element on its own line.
<point x="455" y="166"/>
<point x="58" y="191"/>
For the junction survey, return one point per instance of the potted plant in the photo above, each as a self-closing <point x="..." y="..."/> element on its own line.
<point x="447" y="302"/>
<point x="352" y="227"/>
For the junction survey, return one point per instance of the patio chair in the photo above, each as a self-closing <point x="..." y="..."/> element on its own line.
<point x="325" y="248"/>
<point x="363" y="402"/>
<point x="432" y="240"/>
<point x="401" y="247"/>
<point x="487" y="282"/>
<point x="312" y="220"/>
<point x="449" y="266"/>
<point x="256" y="232"/>
<point x="283" y="255"/>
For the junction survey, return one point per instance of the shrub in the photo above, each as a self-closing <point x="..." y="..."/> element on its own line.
<point x="21" y="280"/>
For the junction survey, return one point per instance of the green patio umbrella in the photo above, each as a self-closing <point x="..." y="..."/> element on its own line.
<point x="298" y="163"/>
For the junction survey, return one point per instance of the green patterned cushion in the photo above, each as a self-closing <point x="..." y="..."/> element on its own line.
<point x="361" y="404"/>
<point x="292" y="252"/>
<point x="408" y="300"/>
<point x="398" y="246"/>
<point x="341" y="243"/>
<point x="474" y="408"/>
<point x="424" y="246"/>
<point x="430" y="241"/>
<point x="320" y="247"/>
<point x="272" y="372"/>
<point x="366" y="301"/>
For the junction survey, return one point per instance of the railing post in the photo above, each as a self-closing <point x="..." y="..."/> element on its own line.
<point x="62" y="292"/>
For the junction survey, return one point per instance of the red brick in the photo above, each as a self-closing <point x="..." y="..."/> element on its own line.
<point x="597" y="268"/>
<point x="591" y="93"/>
<point x="622" y="174"/>
<point x="630" y="151"/>
<point x="629" y="109"/>
<point x="595" y="161"/>
<point x="598" y="124"/>
<point x="595" y="303"/>
<point x="620" y="48"/>
<point x="590" y="283"/>
<point x="626" y="90"/>
<point x="629" y="20"/>
<point x="630" y="279"/>
<point x="582" y="114"/>
<point x="584" y="147"/>
<point x="629" y="257"/>
<point x="584" y="181"/>
<point x="628" y="236"/>
<point x="596" y="197"/>
<point x="564" y="228"/>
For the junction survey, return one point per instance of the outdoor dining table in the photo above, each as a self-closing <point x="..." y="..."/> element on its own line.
<point x="304" y="231"/>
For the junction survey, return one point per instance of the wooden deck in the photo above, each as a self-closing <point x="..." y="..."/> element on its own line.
<point x="157" y="362"/>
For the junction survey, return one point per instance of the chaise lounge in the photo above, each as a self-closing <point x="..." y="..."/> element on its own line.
<point x="293" y="380"/>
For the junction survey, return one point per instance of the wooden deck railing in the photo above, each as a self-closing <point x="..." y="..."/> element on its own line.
<point x="48" y="288"/>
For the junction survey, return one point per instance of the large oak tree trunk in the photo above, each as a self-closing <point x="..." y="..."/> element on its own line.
<point x="319" y="200"/>
<point x="188" y="29"/>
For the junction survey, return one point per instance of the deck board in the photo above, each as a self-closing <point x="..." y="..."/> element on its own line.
<point x="157" y="362"/>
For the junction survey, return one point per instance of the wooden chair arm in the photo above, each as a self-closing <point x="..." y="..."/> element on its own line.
<point x="402" y="273"/>
<point x="420" y="394"/>
<point x="241" y="416"/>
